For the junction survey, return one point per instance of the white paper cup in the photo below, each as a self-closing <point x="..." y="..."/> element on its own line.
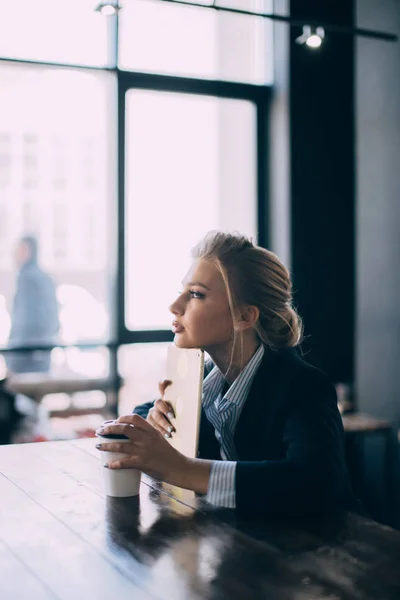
<point x="118" y="483"/>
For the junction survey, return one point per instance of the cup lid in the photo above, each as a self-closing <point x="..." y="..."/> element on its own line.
<point x="112" y="436"/>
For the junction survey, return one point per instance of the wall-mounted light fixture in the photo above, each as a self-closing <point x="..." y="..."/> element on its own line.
<point x="108" y="8"/>
<point x="312" y="40"/>
<point x="311" y="36"/>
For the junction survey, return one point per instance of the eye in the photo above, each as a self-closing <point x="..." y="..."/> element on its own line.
<point x="196" y="295"/>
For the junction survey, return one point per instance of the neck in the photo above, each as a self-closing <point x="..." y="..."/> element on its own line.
<point x="221" y="355"/>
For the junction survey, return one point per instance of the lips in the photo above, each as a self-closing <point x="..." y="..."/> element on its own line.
<point x="177" y="327"/>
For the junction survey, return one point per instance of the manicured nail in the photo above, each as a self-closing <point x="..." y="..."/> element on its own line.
<point x="98" y="446"/>
<point x="167" y="435"/>
<point x="170" y="415"/>
<point x="105" y="465"/>
<point x="170" y="429"/>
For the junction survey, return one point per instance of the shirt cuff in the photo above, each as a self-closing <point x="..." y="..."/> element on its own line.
<point x="221" y="485"/>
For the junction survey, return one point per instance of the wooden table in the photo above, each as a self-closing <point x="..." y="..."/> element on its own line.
<point x="60" y="538"/>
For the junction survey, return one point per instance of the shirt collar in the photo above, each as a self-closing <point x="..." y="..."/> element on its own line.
<point x="239" y="389"/>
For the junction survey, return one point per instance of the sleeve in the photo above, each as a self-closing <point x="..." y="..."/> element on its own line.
<point x="20" y="315"/>
<point x="143" y="409"/>
<point x="312" y="478"/>
<point x="221" y="487"/>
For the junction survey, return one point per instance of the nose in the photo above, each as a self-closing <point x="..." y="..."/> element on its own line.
<point x="177" y="307"/>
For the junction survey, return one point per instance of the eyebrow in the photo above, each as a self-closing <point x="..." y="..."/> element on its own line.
<point x="197" y="283"/>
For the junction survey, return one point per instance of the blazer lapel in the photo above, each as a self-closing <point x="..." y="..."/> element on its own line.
<point x="265" y="400"/>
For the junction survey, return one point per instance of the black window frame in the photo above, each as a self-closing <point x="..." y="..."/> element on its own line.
<point x="259" y="95"/>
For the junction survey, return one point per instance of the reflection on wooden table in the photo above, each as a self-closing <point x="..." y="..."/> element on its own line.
<point x="61" y="538"/>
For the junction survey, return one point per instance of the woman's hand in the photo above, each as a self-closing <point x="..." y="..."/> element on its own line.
<point x="147" y="451"/>
<point x="161" y="414"/>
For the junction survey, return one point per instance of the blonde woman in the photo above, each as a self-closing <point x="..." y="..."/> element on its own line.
<point x="271" y="436"/>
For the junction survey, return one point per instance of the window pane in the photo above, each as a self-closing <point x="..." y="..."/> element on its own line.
<point x="67" y="31"/>
<point x="141" y="367"/>
<point x="190" y="167"/>
<point x="57" y="185"/>
<point x="197" y="42"/>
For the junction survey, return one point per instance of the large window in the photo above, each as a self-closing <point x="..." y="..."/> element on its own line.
<point x="161" y="37"/>
<point x="190" y="167"/>
<point x="123" y="140"/>
<point x="59" y="31"/>
<point x="57" y="184"/>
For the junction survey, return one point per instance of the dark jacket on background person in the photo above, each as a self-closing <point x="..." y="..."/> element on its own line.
<point x="34" y="319"/>
<point x="10" y="417"/>
<point x="289" y="441"/>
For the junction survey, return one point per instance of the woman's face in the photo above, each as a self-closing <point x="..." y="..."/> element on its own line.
<point x="202" y="314"/>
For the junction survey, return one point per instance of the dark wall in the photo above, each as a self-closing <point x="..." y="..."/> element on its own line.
<point x="378" y="241"/>
<point x="322" y="187"/>
<point x="378" y="213"/>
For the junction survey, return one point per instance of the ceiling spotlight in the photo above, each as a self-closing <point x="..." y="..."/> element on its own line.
<point x="108" y="9"/>
<point x="311" y="36"/>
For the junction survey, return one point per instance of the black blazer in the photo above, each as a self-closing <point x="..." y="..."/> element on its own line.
<point x="289" y="441"/>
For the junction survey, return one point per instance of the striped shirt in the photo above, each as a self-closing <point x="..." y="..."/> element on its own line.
<point x="223" y="412"/>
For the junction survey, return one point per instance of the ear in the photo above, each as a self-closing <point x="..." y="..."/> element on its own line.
<point x="248" y="317"/>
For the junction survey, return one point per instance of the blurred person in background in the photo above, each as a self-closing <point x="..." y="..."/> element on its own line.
<point x="34" y="319"/>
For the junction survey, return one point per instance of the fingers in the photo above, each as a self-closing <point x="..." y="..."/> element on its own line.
<point x="165" y="408"/>
<point x="133" y="462"/>
<point x="162" y="429"/>
<point x="159" y="419"/>
<point x="123" y="448"/>
<point x="129" y="425"/>
<point x="137" y="429"/>
<point x="162" y="386"/>
<point x="137" y="421"/>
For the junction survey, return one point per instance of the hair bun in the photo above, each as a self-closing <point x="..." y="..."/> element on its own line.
<point x="285" y="329"/>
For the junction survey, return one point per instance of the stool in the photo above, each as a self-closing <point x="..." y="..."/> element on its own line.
<point x="357" y="426"/>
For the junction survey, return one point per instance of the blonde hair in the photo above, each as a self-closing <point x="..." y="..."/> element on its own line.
<point x="254" y="276"/>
